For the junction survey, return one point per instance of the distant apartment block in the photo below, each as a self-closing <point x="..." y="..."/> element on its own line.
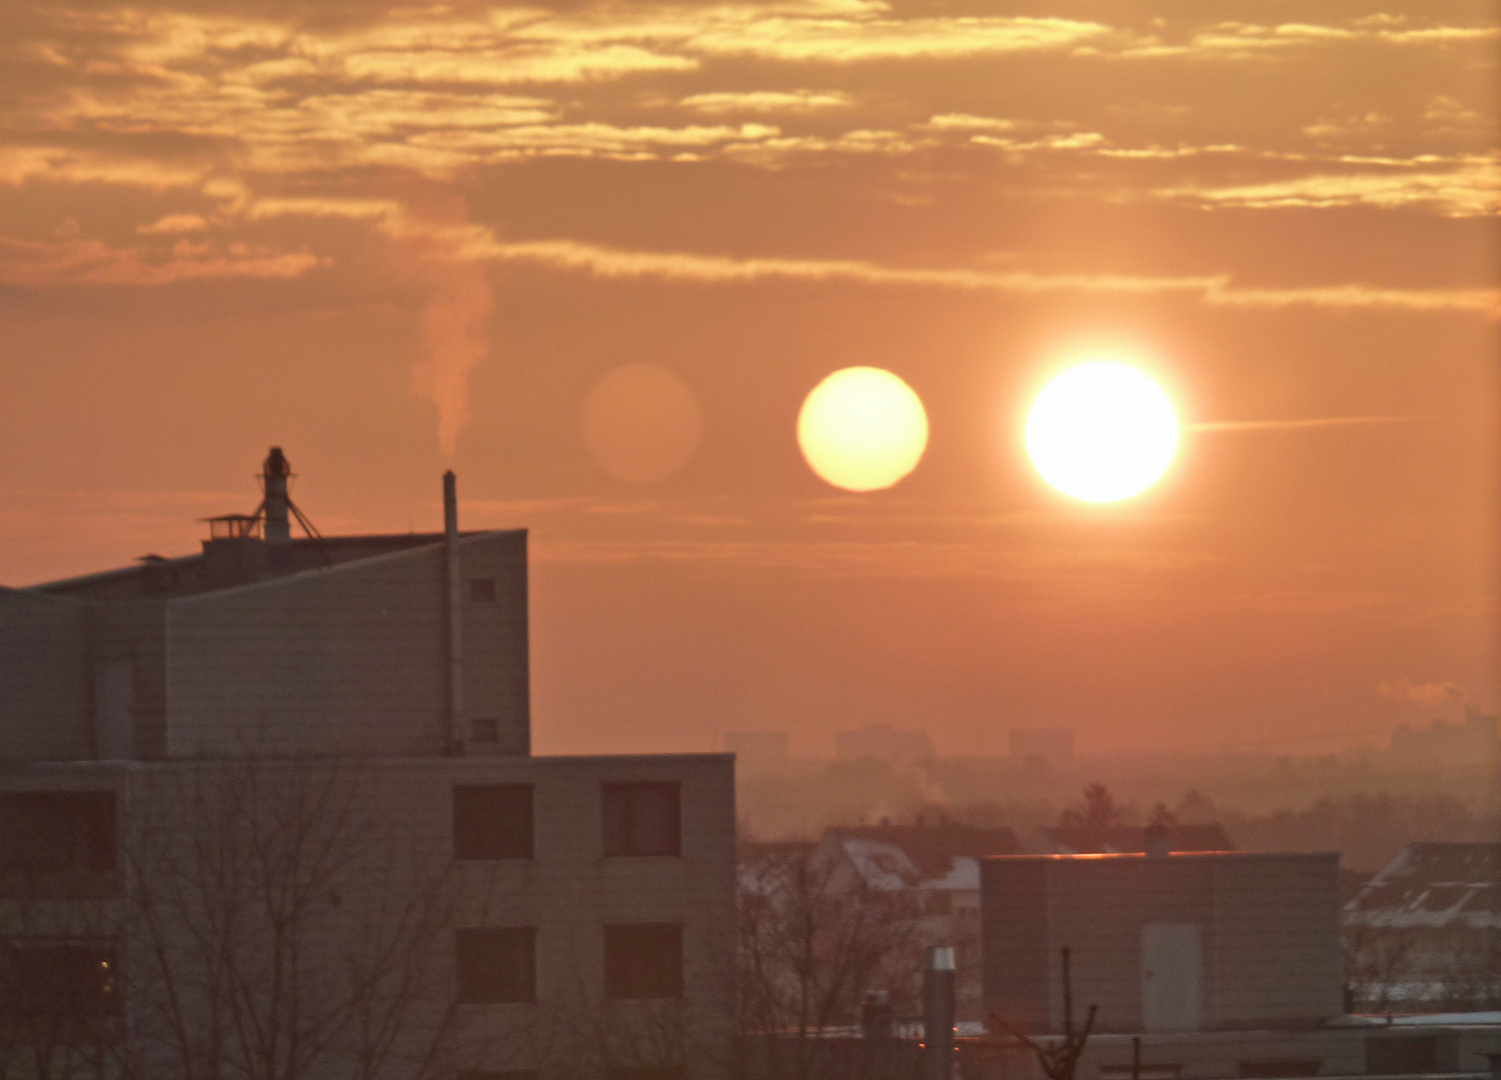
<point x="1475" y="739"/>
<point x="757" y="747"/>
<point x="366" y="697"/>
<point x="879" y="742"/>
<point x="1050" y="744"/>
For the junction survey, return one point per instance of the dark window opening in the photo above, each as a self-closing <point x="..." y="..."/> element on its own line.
<point x="492" y="821"/>
<point x="58" y="979"/>
<point x="496" y="964"/>
<point x="484" y="729"/>
<point x="57" y="831"/>
<point x="644" y="961"/>
<point x="482" y="590"/>
<point x="642" y="819"/>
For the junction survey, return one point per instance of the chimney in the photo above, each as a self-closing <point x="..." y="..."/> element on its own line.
<point x="1158" y="841"/>
<point x="455" y="718"/>
<point x="938" y="1014"/>
<point x="278" y="529"/>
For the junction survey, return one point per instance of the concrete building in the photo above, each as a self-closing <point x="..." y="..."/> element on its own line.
<point x="757" y="748"/>
<point x="164" y="724"/>
<point x="1183" y="942"/>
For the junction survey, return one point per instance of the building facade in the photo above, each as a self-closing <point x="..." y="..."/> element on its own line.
<point x="275" y="803"/>
<point x="1168" y="943"/>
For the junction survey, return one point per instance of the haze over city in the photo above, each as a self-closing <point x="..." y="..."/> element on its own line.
<point x="399" y="242"/>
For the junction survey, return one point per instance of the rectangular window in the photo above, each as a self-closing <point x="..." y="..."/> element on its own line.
<point x="492" y="821"/>
<point x="642" y="818"/>
<point x="57" y="831"/>
<point x="482" y="590"/>
<point x="60" y="978"/>
<point x="644" y="960"/>
<point x="496" y="964"/>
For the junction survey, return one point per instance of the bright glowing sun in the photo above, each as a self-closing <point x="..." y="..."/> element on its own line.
<point x="862" y="429"/>
<point x="1101" y="432"/>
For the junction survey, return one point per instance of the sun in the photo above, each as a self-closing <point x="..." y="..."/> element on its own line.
<point x="1101" y="432"/>
<point x="862" y="429"/>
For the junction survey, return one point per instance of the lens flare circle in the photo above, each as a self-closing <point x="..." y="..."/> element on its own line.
<point x="1102" y="432"/>
<point x="862" y="429"/>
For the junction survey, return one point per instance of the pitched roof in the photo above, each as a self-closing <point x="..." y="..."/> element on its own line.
<point x="1434" y="885"/>
<point x="932" y="848"/>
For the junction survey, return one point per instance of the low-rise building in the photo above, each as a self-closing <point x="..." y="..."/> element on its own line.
<point x="1180" y="942"/>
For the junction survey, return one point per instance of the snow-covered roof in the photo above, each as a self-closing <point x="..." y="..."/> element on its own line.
<point x="1433" y="885"/>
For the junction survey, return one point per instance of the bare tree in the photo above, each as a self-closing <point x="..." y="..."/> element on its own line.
<point x="1468" y="967"/>
<point x="1059" y="1060"/>
<point x="1379" y="960"/>
<point x="813" y="941"/>
<point x="280" y="924"/>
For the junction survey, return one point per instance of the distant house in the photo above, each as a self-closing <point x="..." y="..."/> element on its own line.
<point x="1124" y="839"/>
<point x="1426" y="930"/>
<point x="939" y="864"/>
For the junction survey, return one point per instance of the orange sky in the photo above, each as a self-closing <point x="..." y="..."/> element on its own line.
<point x="392" y="239"/>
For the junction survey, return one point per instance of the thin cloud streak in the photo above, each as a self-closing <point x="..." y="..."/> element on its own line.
<point x="1215" y="290"/>
<point x="1212" y="426"/>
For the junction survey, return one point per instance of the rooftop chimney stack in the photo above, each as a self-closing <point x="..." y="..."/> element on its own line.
<point x="1159" y="841"/>
<point x="278" y="529"/>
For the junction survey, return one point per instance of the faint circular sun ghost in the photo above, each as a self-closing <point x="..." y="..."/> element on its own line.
<point x="1101" y="432"/>
<point x="862" y="429"/>
<point x="640" y="423"/>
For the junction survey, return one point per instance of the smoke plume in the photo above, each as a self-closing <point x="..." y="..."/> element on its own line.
<point x="456" y="337"/>
<point x="1428" y="694"/>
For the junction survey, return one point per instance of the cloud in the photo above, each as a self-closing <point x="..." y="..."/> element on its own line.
<point x="49" y="263"/>
<point x="872" y="34"/>
<point x="968" y="122"/>
<point x="174" y="223"/>
<point x="1217" y="290"/>
<point x="1469" y="186"/>
<point x="1212" y="426"/>
<point x="1427" y="694"/>
<point x="765" y="101"/>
